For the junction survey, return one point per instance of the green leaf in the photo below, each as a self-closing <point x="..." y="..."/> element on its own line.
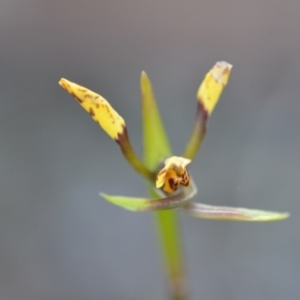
<point x="204" y="211"/>
<point x="156" y="145"/>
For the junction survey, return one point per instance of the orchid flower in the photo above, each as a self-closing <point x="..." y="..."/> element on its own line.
<point x="169" y="180"/>
<point x="170" y="185"/>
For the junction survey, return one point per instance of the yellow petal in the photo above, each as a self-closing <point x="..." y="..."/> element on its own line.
<point x="212" y="86"/>
<point x="98" y="108"/>
<point x="208" y="96"/>
<point x="173" y="174"/>
<point x="111" y="122"/>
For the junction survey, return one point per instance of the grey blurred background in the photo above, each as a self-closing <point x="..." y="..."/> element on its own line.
<point x="58" y="239"/>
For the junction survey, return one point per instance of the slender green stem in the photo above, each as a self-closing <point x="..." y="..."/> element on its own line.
<point x="171" y="246"/>
<point x="168" y="230"/>
<point x="169" y="235"/>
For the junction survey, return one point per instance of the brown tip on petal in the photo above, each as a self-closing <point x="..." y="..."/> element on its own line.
<point x="208" y="96"/>
<point x="65" y="84"/>
<point x="62" y="82"/>
<point x="221" y="72"/>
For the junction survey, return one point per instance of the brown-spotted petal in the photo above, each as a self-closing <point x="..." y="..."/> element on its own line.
<point x="110" y="121"/>
<point x="208" y="96"/>
<point x="98" y="108"/>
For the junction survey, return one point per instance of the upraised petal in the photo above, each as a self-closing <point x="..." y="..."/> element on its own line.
<point x="98" y="108"/>
<point x="208" y="96"/>
<point x="212" y="86"/>
<point x="173" y="174"/>
<point x="111" y="122"/>
<point x="205" y="211"/>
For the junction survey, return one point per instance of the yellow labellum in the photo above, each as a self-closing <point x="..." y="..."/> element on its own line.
<point x="98" y="108"/>
<point x="173" y="174"/>
<point x="212" y="86"/>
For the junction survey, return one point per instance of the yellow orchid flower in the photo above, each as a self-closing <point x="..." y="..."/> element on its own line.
<point x="172" y="182"/>
<point x="173" y="174"/>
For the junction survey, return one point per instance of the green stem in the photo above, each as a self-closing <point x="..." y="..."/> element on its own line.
<point x="168" y="230"/>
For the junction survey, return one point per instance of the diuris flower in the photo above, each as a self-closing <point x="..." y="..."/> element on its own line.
<point x="172" y="182"/>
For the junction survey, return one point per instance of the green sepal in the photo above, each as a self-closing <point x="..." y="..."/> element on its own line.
<point x="153" y="204"/>
<point x="205" y="211"/>
<point x="156" y="145"/>
<point x="129" y="203"/>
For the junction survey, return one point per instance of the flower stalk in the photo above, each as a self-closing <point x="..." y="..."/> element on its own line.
<point x="171" y="248"/>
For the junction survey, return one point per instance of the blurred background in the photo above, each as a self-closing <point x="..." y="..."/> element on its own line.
<point x="58" y="238"/>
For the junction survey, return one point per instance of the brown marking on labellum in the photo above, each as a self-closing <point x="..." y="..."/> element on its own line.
<point x="97" y="105"/>
<point x="185" y="183"/>
<point x="171" y="183"/>
<point x="185" y="179"/>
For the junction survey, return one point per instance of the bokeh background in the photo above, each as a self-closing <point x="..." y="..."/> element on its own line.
<point x="58" y="239"/>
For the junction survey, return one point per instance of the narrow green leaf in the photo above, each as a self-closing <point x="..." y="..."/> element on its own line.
<point x="156" y="145"/>
<point x="204" y="211"/>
